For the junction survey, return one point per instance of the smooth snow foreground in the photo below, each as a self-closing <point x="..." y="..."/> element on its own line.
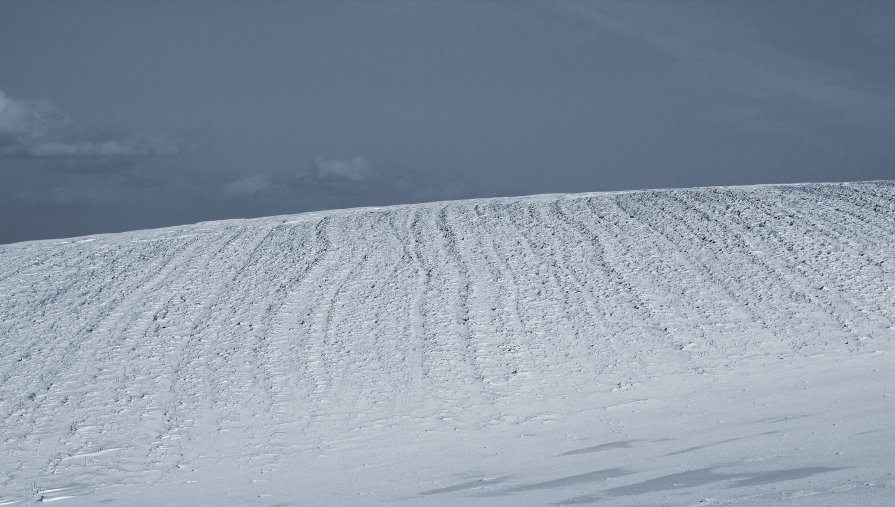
<point x="673" y="347"/>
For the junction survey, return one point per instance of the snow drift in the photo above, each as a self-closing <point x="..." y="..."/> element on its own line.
<point x="671" y="346"/>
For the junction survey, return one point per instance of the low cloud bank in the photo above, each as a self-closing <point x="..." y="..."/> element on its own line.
<point x="247" y="186"/>
<point x="356" y="169"/>
<point x="37" y="129"/>
<point x="62" y="178"/>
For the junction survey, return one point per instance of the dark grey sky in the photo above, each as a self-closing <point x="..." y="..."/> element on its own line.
<point x="123" y="115"/>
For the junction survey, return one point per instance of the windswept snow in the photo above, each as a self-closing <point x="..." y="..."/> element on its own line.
<point x="671" y="347"/>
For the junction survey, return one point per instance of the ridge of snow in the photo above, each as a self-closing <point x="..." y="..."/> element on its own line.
<point x="725" y="344"/>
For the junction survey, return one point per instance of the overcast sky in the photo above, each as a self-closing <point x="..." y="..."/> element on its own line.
<point x="125" y="115"/>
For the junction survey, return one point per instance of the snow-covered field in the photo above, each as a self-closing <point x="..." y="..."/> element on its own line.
<point x="672" y="347"/>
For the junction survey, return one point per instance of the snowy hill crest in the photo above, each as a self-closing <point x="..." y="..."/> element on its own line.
<point x="147" y="359"/>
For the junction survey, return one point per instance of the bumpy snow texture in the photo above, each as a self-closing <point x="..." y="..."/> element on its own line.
<point x="699" y="346"/>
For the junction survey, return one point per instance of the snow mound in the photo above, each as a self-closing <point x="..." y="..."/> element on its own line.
<point x="637" y="347"/>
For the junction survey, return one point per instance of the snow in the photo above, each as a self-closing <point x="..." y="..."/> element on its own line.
<point x="729" y="345"/>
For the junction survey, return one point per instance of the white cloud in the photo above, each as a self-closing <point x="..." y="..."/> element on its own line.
<point x="248" y="185"/>
<point x="35" y="129"/>
<point x="13" y="115"/>
<point x="356" y="169"/>
<point x="24" y="119"/>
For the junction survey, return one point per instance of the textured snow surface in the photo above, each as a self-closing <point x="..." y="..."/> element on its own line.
<point x="671" y="347"/>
